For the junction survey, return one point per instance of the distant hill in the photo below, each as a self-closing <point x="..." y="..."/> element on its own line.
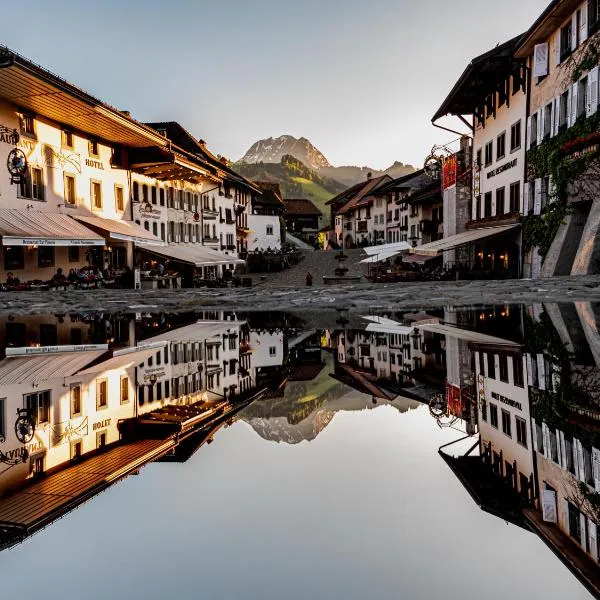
<point x="272" y="150"/>
<point x="295" y="179"/>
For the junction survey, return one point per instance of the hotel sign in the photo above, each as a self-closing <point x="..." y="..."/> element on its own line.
<point x="504" y="167"/>
<point x="8" y="241"/>
<point x="96" y="164"/>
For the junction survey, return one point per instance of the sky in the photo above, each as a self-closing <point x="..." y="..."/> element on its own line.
<point x="361" y="80"/>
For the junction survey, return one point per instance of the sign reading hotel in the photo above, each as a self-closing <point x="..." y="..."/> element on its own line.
<point x="504" y="167"/>
<point x="96" y="164"/>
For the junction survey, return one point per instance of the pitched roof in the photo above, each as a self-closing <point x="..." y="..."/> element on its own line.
<point x="301" y="206"/>
<point x="271" y="193"/>
<point x="362" y="194"/>
<point x="432" y="192"/>
<point x="406" y="182"/>
<point x="479" y="79"/>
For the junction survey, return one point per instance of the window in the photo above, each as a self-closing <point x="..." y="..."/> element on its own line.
<point x="68" y="140"/>
<point x="76" y="450"/>
<point x="48" y="334"/>
<point x="494" y="416"/>
<point x="76" y="337"/>
<point x="534" y="128"/>
<point x="124" y="389"/>
<point x="269" y="229"/>
<point x="101" y="394"/>
<point x="491" y="366"/>
<point x="582" y="98"/>
<point x="593" y="16"/>
<point x="39" y="406"/>
<point x="521" y="426"/>
<point x="501" y="146"/>
<point x="75" y="400"/>
<point x="487" y="204"/>
<point x="32" y="186"/>
<point x="96" y="194"/>
<point x="566" y="35"/>
<point x="14" y="258"/>
<point x="515" y="136"/>
<point x="484" y="410"/>
<point x="100" y="439"/>
<point x="547" y="121"/>
<point x="155" y="228"/>
<point x="119" y="198"/>
<point x="28" y="125"/>
<point x="518" y="379"/>
<point x="503" y="368"/>
<point x="506" y="424"/>
<point x="489" y="153"/>
<point x="515" y="197"/>
<point x="563" y="106"/>
<point x="500" y="201"/>
<point x="539" y="437"/>
<point x="93" y="148"/>
<point x="45" y="256"/>
<point x="73" y="254"/>
<point x="153" y="195"/>
<point x="482" y="363"/>
<point x="70" y="193"/>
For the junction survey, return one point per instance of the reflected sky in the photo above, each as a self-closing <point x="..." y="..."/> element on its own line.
<point x="367" y="509"/>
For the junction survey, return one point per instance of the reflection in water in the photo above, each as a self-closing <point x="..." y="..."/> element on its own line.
<point x="108" y="395"/>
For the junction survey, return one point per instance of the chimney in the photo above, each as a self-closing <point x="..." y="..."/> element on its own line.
<point x="369" y="176"/>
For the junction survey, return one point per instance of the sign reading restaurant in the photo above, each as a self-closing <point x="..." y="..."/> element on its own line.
<point x="10" y="241"/>
<point x="8" y="135"/>
<point x="504" y="167"/>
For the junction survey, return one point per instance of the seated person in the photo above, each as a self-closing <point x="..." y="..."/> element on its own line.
<point x="59" y="277"/>
<point x="73" y="276"/>
<point x="12" y="280"/>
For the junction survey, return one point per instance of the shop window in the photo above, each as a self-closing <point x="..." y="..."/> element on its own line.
<point x="506" y="423"/>
<point x="48" y="334"/>
<point x="14" y="258"/>
<point x="45" y="256"/>
<point x="74" y="254"/>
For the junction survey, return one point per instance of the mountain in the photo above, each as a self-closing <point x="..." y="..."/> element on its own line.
<point x="295" y="179"/>
<point x="272" y="150"/>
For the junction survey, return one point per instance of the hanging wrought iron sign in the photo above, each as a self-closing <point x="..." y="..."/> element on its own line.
<point x="9" y="136"/>
<point x="433" y="166"/>
<point x="24" y="426"/>
<point x="17" y="165"/>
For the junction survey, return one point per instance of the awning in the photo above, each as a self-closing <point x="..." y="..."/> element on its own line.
<point x="122" y="361"/>
<point x="33" y="369"/>
<point x="29" y="228"/>
<point x="167" y="165"/>
<point x="376" y="258"/>
<point x="419" y="259"/>
<point x="461" y="239"/>
<point x="395" y="247"/>
<point x="466" y="335"/>
<point x="192" y="254"/>
<point x="121" y="230"/>
<point x="385" y="325"/>
<point x="197" y="332"/>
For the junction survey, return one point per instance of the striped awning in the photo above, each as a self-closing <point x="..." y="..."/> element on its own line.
<point x="192" y="254"/>
<point x="121" y="230"/>
<point x="33" y="228"/>
<point x="35" y="369"/>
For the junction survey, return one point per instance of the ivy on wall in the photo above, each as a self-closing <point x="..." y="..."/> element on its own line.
<point x="564" y="159"/>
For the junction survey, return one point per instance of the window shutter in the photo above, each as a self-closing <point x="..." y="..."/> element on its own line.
<point x="574" y="31"/>
<point x="566" y="523"/>
<point x="549" y="506"/>
<point x="537" y="209"/>
<point x="529" y="364"/>
<point x="551" y="128"/>
<point x="574" y="102"/>
<point x="541" y="126"/>
<point x="583" y="30"/>
<point x="569" y="98"/>
<point x="580" y="461"/>
<point x="557" y="48"/>
<point x="528" y="133"/>
<point x="593" y="537"/>
<point x="592" y="93"/>
<point x="534" y="430"/>
<point x="583" y="531"/>
<point x="596" y="467"/>
<point x="540" y="57"/>
<point x="563" y="449"/>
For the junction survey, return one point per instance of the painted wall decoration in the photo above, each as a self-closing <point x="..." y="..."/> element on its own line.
<point x="9" y="135"/>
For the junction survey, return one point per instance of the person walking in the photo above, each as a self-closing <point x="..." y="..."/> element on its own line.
<point x="308" y="279"/>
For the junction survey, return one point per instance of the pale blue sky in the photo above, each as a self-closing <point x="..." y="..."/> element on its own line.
<point x="361" y="80"/>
